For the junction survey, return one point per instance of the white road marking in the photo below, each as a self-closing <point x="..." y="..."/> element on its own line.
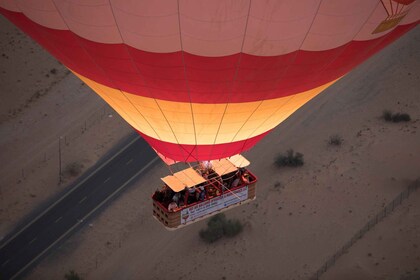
<point x="128" y="162"/>
<point x="3" y="264"/>
<point x="107" y="179"/>
<point x="32" y="241"/>
<point x="83" y="199"/>
<point x="87" y="215"/>
<point x="58" y="219"/>
<point x="72" y="190"/>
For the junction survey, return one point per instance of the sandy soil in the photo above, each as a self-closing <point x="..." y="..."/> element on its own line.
<point x="292" y="229"/>
<point x="41" y="102"/>
<point x="377" y="255"/>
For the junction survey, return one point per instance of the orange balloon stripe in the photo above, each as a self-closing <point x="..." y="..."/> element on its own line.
<point x="186" y="123"/>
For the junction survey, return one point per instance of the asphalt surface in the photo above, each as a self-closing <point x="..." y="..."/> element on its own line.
<point x="66" y="215"/>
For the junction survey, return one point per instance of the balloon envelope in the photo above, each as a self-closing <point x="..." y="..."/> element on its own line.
<point x="208" y="79"/>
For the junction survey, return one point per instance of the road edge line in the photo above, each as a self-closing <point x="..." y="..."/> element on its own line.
<point x="68" y="193"/>
<point x="85" y="217"/>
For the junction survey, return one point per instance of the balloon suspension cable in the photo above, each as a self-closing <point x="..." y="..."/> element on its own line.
<point x="170" y="169"/>
<point x="225" y="188"/>
<point x="207" y="165"/>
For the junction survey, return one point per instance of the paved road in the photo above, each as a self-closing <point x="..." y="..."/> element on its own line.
<point x="67" y="214"/>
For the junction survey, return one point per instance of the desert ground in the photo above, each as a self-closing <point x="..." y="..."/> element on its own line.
<point x="40" y="101"/>
<point x="301" y="215"/>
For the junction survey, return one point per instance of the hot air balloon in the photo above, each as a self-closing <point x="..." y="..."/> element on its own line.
<point x="205" y="80"/>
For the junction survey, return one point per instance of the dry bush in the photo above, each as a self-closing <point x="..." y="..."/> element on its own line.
<point x="335" y="140"/>
<point x="291" y="159"/>
<point x="388" y="116"/>
<point x="218" y="226"/>
<point x="74" y="169"/>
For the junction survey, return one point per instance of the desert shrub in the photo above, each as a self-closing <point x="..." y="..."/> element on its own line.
<point x="214" y="229"/>
<point x="335" y="140"/>
<point x="289" y="159"/>
<point x="387" y="115"/>
<point x="74" y="169"/>
<point x="401" y="117"/>
<point x="277" y="184"/>
<point x="71" y="275"/>
<point x="232" y="228"/>
<point x="397" y="117"/>
<point x="218" y="226"/>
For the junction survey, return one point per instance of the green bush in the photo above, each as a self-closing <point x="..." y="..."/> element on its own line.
<point x="397" y="117"/>
<point x="214" y="229"/>
<point x="218" y="226"/>
<point x="289" y="159"/>
<point x="232" y="228"/>
<point x="217" y="219"/>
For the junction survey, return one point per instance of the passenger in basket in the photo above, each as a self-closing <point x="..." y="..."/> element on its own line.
<point x="235" y="182"/>
<point x="244" y="178"/>
<point x="191" y="195"/>
<point x="176" y="198"/>
<point x="172" y="206"/>
<point x="206" y="165"/>
<point x="202" y="194"/>
<point x="181" y="201"/>
<point x="191" y="190"/>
